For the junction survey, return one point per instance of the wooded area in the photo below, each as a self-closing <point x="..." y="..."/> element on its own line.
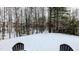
<point x="19" y="21"/>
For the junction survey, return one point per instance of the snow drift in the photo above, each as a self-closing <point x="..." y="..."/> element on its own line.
<point x="41" y="42"/>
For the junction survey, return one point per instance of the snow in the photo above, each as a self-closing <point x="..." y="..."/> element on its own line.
<point x="41" y="42"/>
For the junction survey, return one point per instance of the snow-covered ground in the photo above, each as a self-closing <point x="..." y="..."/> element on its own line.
<point x="42" y="42"/>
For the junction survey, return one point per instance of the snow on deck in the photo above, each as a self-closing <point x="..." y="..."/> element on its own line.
<point x="41" y="42"/>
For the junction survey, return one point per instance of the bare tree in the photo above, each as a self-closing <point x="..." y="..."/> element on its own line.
<point x="10" y="21"/>
<point x="3" y="26"/>
<point x="17" y="25"/>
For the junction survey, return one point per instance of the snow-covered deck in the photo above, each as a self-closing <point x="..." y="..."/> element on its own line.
<point x="41" y="42"/>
